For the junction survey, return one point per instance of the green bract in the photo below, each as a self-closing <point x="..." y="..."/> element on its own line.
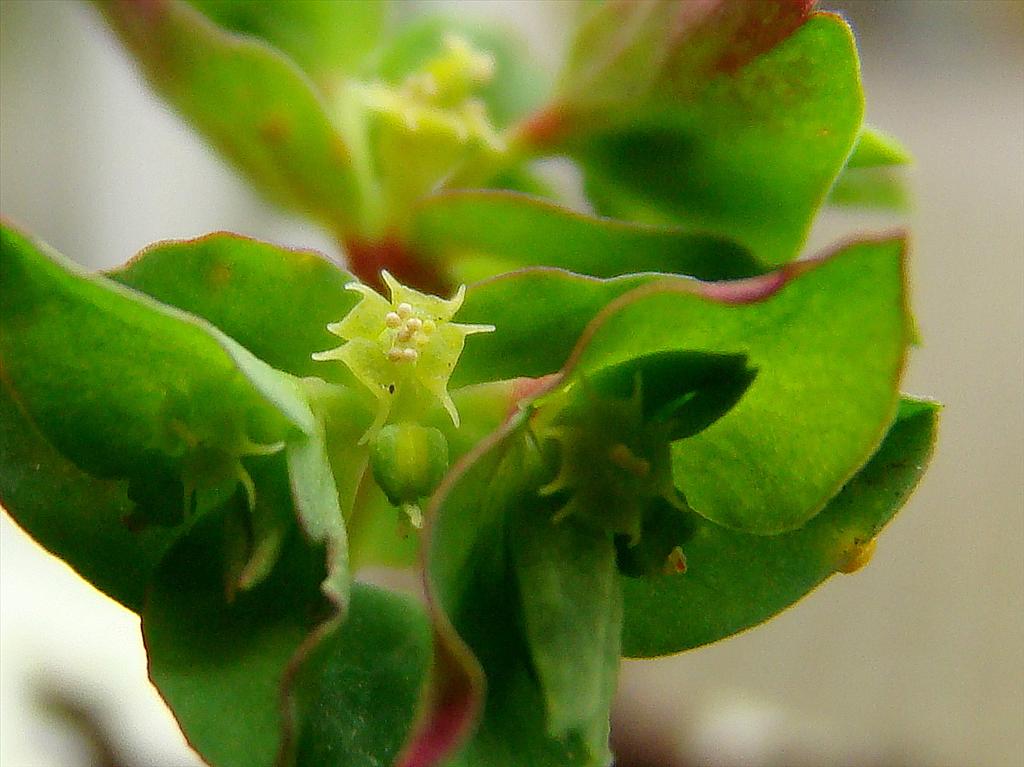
<point x="666" y="428"/>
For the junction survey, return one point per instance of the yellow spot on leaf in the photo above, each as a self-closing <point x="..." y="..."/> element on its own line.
<point x="857" y="556"/>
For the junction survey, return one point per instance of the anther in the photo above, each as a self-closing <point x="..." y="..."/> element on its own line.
<point x="404" y="310"/>
<point x="392" y="320"/>
<point x="413" y="324"/>
<point x="429" y="326"/>
<point x="410" y="355"/>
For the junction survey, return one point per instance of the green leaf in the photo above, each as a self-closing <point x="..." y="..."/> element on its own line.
<point x="126" y="387"/>
<point x="572" y="620"/>
<point x="734" y="580"/>
<point x="627" y="53"/>
<point x="828" y="350"/>
<point x="75" y="516"/>
<point x="827" y="339"/>
<point x="249" y="100"/>
<point x="687" y="391"/>
<point x="327" y="38"/>
<point x="872" y="178"/>
<point x="880" y="188"/>
<point x="751" y="157"/>
<point x="220" y="665"/>
<point x="357" y="693"/>
<point x="250" y="291"/>
<point x="876" y="149"/>
<point x="519" y="83"/>
<point x="538" y="316"/>
<point x="319" y="511"/>
<point x="481" y="234"/>
<point x="475" y="612"/>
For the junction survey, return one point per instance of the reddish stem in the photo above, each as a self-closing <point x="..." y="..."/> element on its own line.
<point x="366" y="259"/>
<point x="545" y="128"/>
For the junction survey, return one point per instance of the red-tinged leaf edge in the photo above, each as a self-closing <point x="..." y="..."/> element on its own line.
<point x="138" y="26"/>
<point x="452" y="699"/>
<point x="751" y="35"/>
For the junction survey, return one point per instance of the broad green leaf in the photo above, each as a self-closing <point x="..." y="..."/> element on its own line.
<point x="572" y="620"/>
<point x="476" y="610"/>
<point x="751" y="156"/>
<point x="828" y="349"/>
<point x="625" y="53"/>
<point x="357" y="693"/>
<point x="519" y="84"/>
<point x="75" y="516"/>
<point x="685" y="390"/>
<point x="327" y="38"/>
<point x="249" y="100"/>
<point x="827" y="339"/>
<point x="220" y="665"/>
<point x="251" y="291"/>
<point x="481" y="234"/>
<point x="127" y="387"/>
<point x="734" y="581"/>
<point x="538" y="315"/>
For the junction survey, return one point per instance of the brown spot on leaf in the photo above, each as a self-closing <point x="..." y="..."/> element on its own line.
<point x="857" y="556"/>
<point x="339" y="151"/>
<point x="219" y="275"/>
<point x="276" y="128"/>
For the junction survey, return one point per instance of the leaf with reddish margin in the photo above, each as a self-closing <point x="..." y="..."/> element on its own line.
<point x="540" y="314"/>
<point x="249" y="100"/>
<point x="734" y="580"/>
<point x="327" y="38"/>
<point x="86" y="528"/>
<point x="843" y="315"/>
<point x="751" y="156"/>
<point x="828" y="339"/>
<point x="472" y="604"/>
<point x="480" y="234"/>
<point x="627" y="53"/>
<point x="272" y="677"/>
<point x="250" y="290"/>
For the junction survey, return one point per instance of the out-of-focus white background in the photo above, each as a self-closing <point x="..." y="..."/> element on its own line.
<point x="916" y="660"/>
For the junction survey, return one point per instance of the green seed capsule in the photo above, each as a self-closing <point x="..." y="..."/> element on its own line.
<point x="408" y="461"/>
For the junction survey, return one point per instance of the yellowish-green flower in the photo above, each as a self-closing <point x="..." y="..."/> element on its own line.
<point x="438" y="99"/>
<point x="403" y="350"/>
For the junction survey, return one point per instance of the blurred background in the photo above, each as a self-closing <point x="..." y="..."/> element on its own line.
<point x="916" y="660"/>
